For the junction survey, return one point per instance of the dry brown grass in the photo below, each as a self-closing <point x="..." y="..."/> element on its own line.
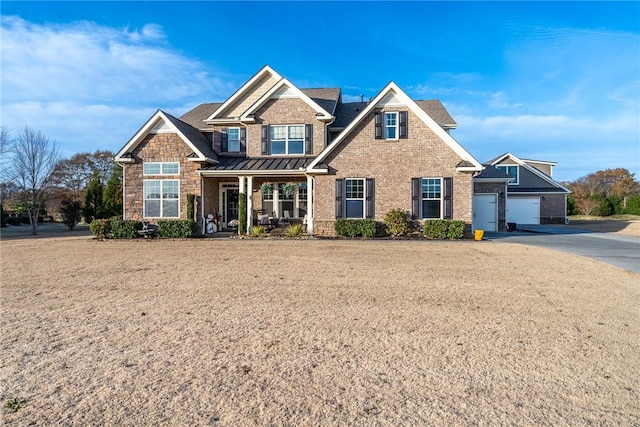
<point x="317" y="332"/>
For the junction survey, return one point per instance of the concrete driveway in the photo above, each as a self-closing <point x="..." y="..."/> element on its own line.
<point x="616" y="249"/>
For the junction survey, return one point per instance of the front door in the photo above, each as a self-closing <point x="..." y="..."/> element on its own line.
<point x="229" y="203"/>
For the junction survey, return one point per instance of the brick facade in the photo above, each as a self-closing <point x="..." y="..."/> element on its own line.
<point x="392" y="163"/>
<point x="553" y="209"/>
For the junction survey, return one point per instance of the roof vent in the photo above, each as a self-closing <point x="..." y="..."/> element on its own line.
<point x="361" y="97"/>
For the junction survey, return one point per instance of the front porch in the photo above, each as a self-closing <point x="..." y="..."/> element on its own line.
<point x="271" y="201"/>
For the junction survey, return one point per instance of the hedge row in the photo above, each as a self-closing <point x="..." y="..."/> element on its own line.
<point x="443" y="229"/>
<point x="355" y="227"/>
<point x="396" y="224"/>
<point x="116" y="228"/>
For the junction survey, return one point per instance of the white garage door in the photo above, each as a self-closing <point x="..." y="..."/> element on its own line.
<point x="485" y="212"/>
<point x="523" y="210"/>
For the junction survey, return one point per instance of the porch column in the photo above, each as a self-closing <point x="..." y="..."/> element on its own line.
<point x="249" y="204"/>
<point x="241" y="190"/>
<point x="309" y="204"/>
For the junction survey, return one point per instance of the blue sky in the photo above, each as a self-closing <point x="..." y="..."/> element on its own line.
<point x="556" y="81"/>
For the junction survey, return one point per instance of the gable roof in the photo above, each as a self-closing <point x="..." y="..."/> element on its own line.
<point x="531" y="169"/>
<point x="287" y="89"/>
<point x="263" y="72"/>
<point x="393" y="90"/>
<point x="327" y="98"/>
<point x="202" y="151"/>
<point x="346" y="112"/>
<point x="491" y="173"/>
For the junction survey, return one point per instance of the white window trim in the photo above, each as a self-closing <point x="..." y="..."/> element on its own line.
<point x="144" y="204"/>
<point x="229" y="150"/>
<point x="276" y="201"/>
<point x="286" y="140"/>
<point x="396" y="126"/>
<point x="363" y="199"/>
<point x="511" y="182"/>
<point x="441" y="198"/>
<point x="161" y="167"/>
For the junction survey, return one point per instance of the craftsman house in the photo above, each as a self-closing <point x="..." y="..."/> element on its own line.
<point x="299" y="155"/>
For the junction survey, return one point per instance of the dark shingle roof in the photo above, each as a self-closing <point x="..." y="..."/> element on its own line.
<point x="194" y="136"/>
<point x="196" y="116"/>
<point x="437" y="112"/>
<point x="489" y="171"/>
<point x="327" y="98"/>
<point x="260" y="163"/>
<point x="346" y="112"/>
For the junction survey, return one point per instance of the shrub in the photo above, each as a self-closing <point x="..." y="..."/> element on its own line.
<point x="633" y="205"/>
<point x="191" y="200"/>
<point x="179" y="228"/>
<point x="294" y="230"/>
<point x="101" y="228"/>
<point x="3" y="217"/>
<point x="124" y="229"/>
<point x="443" y="229"/>
<point x="396" y="222"/>
<point x="355" y="227"/>
<point x="258" y="231"/>
<point x="70" y="212"/>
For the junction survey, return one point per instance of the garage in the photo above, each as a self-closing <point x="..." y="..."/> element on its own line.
<point x="485" y="212"/>
<point x="523" y="210"/>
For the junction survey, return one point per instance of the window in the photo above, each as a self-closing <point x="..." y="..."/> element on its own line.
<point x="512" y="171"/>
<point x="431" y="198"/>
<point x="161" y="198"/>
<point x="234" y="140"/>
<point x="390" y="125"/>
<point x="287" y="139"/>
<point x="302" y="199"/>
<point x="293" y="206"/>
<point x="354" y="198"/>
<point x="161" y="168"/>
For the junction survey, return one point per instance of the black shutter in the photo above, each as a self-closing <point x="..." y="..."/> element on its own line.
<point x="243" y="139"/>
<point x="448" y="198"/>
<point x="265" y="140"/>
<point x="370" y="191"/>
<point x="403" y="124"/>
<point x="224" y="139"/>
<point x="339" y="198"/>
<point x="378" y="123"/>
<point x="416" y="190"/>
<point x="308" y="139"/>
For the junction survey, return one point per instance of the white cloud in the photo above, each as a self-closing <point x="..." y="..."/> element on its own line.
<point x="91" y="87"/>
<point x="580" y="145"/>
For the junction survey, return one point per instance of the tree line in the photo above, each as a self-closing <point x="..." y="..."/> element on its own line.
<point x="604" y="193"/>
<point x="36" y="182"/>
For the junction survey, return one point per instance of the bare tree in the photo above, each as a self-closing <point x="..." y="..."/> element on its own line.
<point x="5" y="149"/>
<point x="33" y="162"/>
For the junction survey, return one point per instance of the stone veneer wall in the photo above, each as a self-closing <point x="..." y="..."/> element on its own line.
<point x="162" y="147"/>
<point x="392" y="163"/>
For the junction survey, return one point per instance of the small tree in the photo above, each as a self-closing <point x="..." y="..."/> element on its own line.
<point x="93" y="203"/>
<point x="112" y="196"/>
<point x="71" y="212"/>
<point x="191" y="203"/>
<point x="32" y="164"/>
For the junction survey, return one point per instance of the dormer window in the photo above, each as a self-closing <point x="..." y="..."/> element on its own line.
<point x="512" y="171"/>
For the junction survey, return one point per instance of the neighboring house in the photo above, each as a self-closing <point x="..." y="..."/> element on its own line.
<point x="530" y="196"/>
<point x="346" y="159"/>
